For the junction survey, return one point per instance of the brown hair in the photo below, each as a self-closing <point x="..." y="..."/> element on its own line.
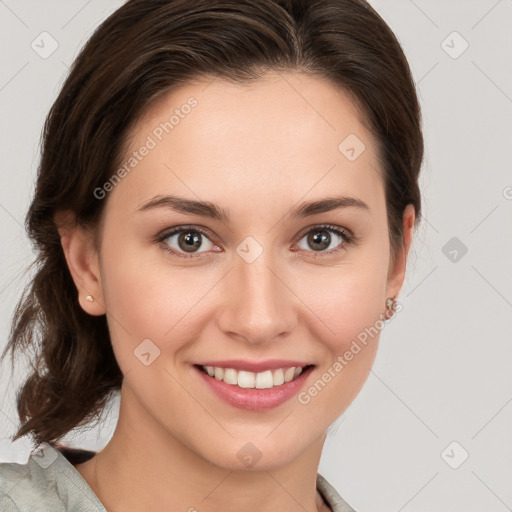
<point x="144" y="49"/>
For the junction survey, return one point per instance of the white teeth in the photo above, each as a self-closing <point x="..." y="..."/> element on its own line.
<point x="230" y="376"/>
<point x="289" y="374"/>
<point x="262" y="380"/>
<point x="245" y="379"/>
<point x="278" y="377"/>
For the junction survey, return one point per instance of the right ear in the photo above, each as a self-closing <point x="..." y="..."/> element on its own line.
<point x="83" y="262"/>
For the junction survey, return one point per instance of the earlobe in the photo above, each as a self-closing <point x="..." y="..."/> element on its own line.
<point x="82" y="260"/>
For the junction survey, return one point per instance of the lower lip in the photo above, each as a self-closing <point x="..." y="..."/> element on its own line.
<point x="253" y="399"/>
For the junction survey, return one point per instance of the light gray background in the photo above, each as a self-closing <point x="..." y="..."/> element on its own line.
<point x="443" y="370"/>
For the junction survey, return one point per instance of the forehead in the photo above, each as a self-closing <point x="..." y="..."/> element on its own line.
<point x="285" y="133"/>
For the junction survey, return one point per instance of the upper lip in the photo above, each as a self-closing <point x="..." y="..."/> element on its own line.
<point x="254" y="366"/>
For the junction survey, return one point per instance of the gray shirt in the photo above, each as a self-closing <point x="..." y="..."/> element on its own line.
<point x="48" y="482"/>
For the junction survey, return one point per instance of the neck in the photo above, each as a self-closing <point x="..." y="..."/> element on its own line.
<point x="143" y="467"/>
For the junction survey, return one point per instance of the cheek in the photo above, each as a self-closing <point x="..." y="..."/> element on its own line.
<point x="134" y="297"/>
<point x="349" y="327"/>
<point x="359" y="309"/>
<point x="146" y="299"/>
<point x="344" y="301"/>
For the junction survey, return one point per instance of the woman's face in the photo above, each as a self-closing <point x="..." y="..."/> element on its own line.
<point x="263" y="284"/>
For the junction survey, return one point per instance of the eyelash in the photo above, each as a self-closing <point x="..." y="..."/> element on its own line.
<point x="349" y="239"/>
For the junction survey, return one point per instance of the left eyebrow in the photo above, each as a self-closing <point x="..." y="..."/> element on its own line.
<point x="326" y="205"/>
<point x="207" y="209"/>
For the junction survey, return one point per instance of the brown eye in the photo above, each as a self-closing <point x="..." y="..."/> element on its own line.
<point x="184" y="241"/>
<point x="319" y="240"/>
<point x="189" y="241"/>
<point x="326" y="239"/>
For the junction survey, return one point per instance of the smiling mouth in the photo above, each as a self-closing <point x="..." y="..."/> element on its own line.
<point x="252" y="380"/>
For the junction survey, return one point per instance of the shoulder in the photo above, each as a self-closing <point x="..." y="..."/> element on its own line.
<point x="22" y="486"/>
<point x="47" y="481"/>
<point x="331" y="496"/>
<point x="6" y="503"/>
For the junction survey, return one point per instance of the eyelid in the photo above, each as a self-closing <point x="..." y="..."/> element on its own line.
<point x="346" y="233"/>
<point x="349" y="239"/>
<point x="167" y="233"/>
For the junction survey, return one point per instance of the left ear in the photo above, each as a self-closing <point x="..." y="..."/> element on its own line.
<point x="396" y="272"/>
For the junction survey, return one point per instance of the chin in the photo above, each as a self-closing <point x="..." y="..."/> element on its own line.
<point x="256" y="453"/>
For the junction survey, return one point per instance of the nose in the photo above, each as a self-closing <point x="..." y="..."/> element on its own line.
<point x="259" y="307"/>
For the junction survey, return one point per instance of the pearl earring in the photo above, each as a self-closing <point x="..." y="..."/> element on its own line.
<point x="89" y="298"/>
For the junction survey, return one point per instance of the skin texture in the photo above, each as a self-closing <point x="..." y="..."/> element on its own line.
<point x="256" y="151"/>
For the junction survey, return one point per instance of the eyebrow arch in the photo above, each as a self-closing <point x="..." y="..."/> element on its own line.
<point x="207" y="209"/>
<point x="326" y="205"/>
